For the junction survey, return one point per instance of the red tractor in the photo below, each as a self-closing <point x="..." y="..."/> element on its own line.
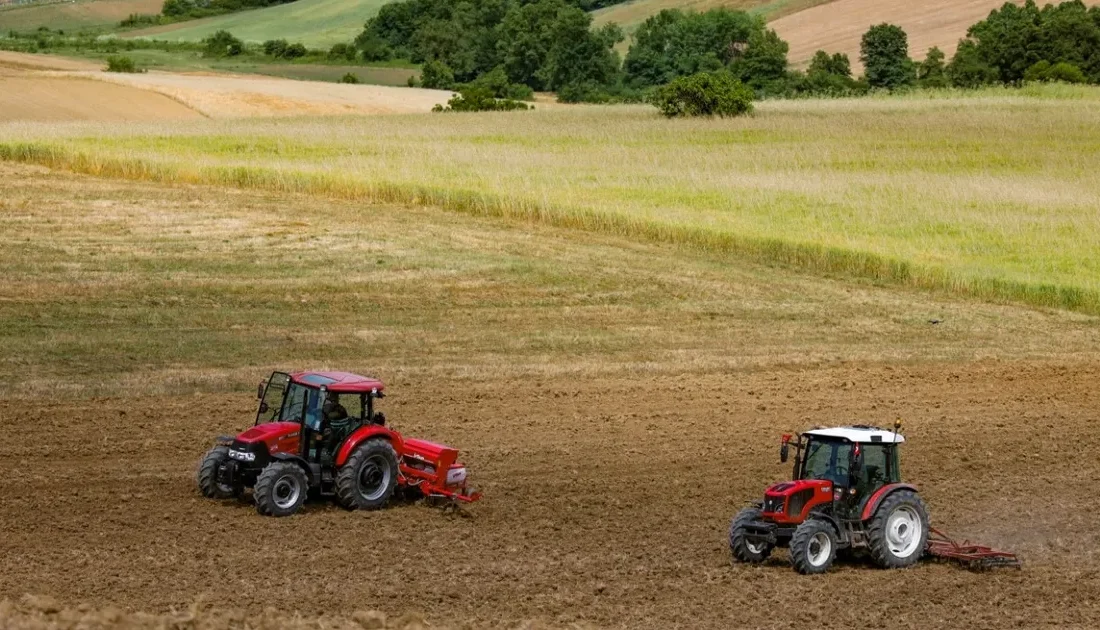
<point x="846" y="495"/>
<point x="305" y="440"/>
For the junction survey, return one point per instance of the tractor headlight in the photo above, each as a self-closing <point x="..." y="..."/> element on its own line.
<point x="243" y="456"/>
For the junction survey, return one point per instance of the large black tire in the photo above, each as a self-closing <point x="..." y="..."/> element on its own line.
<point x="207" y="474"/>
<point x="280" y="489"/>
<point x="897" y="534"/>
<point x="740" y="547"/>
<point x="813" y="546"/>
<point x="368" y="479"/>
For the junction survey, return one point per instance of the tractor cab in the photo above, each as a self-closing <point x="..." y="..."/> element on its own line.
<point x="857" y="459"/>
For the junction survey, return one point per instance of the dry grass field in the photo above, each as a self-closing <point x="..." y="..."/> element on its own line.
<point x="616" y="400"/>
<point x="838" y="26"/>
<point x="74" y="16"/>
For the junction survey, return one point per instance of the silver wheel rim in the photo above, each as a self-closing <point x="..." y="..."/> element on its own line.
<point x="819" y="549"/>
<point x="374" y="477"/>
<point x="755" y="548"/>
<point x="903" y="531"/>
<point x="286" y="492"/>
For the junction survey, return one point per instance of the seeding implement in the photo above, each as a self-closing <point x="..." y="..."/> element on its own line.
<point x="305" y="441"/>
<point x="847" y="494"/>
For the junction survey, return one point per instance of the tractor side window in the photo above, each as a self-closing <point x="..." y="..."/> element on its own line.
<point x="271" y="406"/>
<point x="294" y="403"/>
<point x="875" y="469"/>
<point x="827" y="460"/>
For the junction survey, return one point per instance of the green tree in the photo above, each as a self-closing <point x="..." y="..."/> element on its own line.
<point x="764" y="61"/>
<point x="578" y="54"/>
<point x="525" y="40"/>
<point x="704" y="94"/>
<point x="884" y="52"/>
<point x="931" y="73"/>
<point x="967" y="68"/>
<point x="837" y="64"/>
<point x="437" y="75"/>
<point x="674" y="43"/>
<point x="222" y="44"/>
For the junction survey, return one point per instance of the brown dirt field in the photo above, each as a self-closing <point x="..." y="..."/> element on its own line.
<point x="75" y="15"/>
<point x="839" y="26"/>
<point x="48" y="99"/>
<point x="607" y="502"/>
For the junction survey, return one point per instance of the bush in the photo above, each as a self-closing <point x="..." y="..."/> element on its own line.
<point x="349" y="78"/>
<point x="342" y="51"/>
<point x="496" y="81"/>
<point x="120" y="64"/>
<point x="139" y="19"/>
<point x="479" y="99"/>
<point x="884" y="52"/>
<point x="931" y="72"/>
<point x="222" y="44"/>
<point x="1062" y="71"/>
<point x="704" y="94"/>
<point x="437" y="75"/>
<point x="411" y="82"/>
<point x="275" y="47"/>
<point x="295" y="51"/>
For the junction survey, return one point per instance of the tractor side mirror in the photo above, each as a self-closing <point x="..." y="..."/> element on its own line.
<point x="260" y="390"/>
<point x="784" y="452"/>
<point x="263" y="407"/>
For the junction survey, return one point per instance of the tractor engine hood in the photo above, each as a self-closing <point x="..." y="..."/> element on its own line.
<point x="787" y="488"/>
<point x="269" y="432"/>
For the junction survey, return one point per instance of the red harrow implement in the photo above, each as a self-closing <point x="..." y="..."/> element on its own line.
<point x="972" y="556"/>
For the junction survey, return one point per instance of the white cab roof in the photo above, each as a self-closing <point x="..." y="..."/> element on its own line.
<point x="859" y="434"/>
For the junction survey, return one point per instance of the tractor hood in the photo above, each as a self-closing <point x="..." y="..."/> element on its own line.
<point x="269" y="432"/>
<point x="787" y="488"/>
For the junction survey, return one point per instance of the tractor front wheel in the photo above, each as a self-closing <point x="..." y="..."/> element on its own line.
<point x="743" y="549"/>
<point x="813" y="547"/>
<point x="898" y="532"/>
<point x="280" y="489"/>
<point x="368" y="479"/>
<point x="207" y="474"/>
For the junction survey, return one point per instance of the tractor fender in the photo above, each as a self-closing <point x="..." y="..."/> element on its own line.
<point x="302" y="463"/>
<point x="873" y="501"/>
<point x="841" y="532"/>
<point x="364" y="433"/>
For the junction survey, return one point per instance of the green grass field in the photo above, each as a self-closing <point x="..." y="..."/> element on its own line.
<point x="630" y="15"/>
<point x="315" y="23"/>
<point x="74" y="16"/>
<point x="990" y="194"/>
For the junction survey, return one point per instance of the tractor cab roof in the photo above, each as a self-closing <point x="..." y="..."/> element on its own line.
<point x="339" y="382"/>
<point x="858" y="433"/>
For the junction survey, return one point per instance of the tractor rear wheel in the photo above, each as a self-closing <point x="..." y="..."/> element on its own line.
<point x="813" y="547"/>
<point x="898" y="532"/>
<point x="368" y="479"/>
<point x="280" y="489"/>
<point x="743" y="549"/>
<point x="207" y="474"/>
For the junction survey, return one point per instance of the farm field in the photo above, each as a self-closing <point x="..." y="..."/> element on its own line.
<point x="74" y="16"/>
<point x="957" y="192"/>
<point x="630" y="15"/>
<point x="840" y="25"/>
<point x="315" y="23"/>
<point x="579" y="373"/>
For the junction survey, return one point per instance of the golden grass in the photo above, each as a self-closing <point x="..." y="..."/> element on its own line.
<point x="989" y="194"/>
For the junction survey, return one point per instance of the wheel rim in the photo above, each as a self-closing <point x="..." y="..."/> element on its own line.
<point x="819" y="549"/>
<point x="374" y="477"/>
<point x="755" y="548"/>
<point x="903" y="531"/>
<point x="286" y="492"/>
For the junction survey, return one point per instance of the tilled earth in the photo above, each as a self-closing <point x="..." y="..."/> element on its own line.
<point x="606" y="503"/>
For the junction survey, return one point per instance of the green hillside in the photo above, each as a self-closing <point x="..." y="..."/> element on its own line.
<point x="315" y="23"/>
<point x="630" y="15"/>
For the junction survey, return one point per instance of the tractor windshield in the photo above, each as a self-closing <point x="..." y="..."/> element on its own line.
<point x="827" y="459"/>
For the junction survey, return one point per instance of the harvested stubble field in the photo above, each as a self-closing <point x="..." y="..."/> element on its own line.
<point x="616" y="400"/>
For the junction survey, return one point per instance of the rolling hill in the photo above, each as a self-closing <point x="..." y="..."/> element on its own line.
<point x="73" y="15"/>
<point x="630" y="15"/>
<point x="315" y="23"/>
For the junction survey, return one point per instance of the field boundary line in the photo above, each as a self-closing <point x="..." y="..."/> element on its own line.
<point x="805" y="257"/>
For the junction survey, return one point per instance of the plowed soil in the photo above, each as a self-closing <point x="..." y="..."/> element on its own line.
<point x="606" y="503"/>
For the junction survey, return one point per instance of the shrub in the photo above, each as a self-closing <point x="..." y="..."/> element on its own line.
<point x="704" y="94"/>
<point x="496" y="81"/>
<point x="884" y="52"/>
<point x="411" y="82"/>
<point x="295" y="51"/>
<point x="342" y="51"/>
<point x="222" y="44"/>
<point x="349" y="78"/>
<point x="437" y="75"/>
<point x="1064" y="72"/>
<point x="275" y="47"/>
<point x="139" y="19"/>
<point x="479" y="99"/>
<point x="120" y="64"/>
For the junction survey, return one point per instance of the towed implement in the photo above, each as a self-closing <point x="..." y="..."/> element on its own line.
<point x="847" y="495"/>
<point x="306" y="441"/>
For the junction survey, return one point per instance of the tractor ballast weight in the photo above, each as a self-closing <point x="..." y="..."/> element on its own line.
<point x="304" y="441"/>
<point x="847" y="494"/>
